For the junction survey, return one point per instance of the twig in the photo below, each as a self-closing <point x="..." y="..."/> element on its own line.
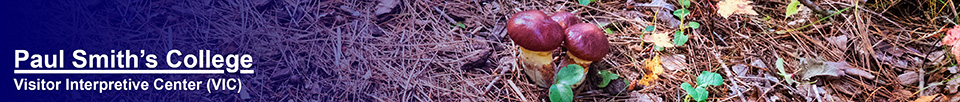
<point x="733" y="81"/>
<point x="452" y="21"/>
<point x="503" y="70"/>
<point x="514" y="86"/>
<point x="878" y="15"/>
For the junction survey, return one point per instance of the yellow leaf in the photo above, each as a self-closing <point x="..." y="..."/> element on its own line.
<point x="925" y="98"/>
<point x="653" y="68"/>
<point x="659" y="39"/>
<point x="729" y="7"/>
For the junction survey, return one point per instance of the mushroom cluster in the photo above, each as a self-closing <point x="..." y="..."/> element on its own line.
<point x="539" y="36"/>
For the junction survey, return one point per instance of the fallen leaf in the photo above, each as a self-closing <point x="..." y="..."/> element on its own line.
<point x="907" y="78"/>
<point x="729" y="7"/>
<point x="952" y="69"/>
<point x="858" y="72"/>
<point x="759" y="63"/>
<point x="839" y="41"/>
<point x="636" y="48"/>
<point x="936" y="58"/>
<point x="925" y="98"/>
<point x="386" y="6"/>
<point x="740" y="69"/>
<point x="952" y="86"/>
<point x="654" y="68"/>
<point x="814" y="67"/>
<point x="636" y="96"/>
<point x="659" y="39"/>
<point x="675" y="62"/>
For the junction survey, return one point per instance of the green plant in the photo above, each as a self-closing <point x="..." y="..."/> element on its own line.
<point x="607" y="76"/>
<point x="699" y="93"/>
<point x="792" y="7"/>
<point x="786" y="76"/>
<point x="586" y="2"/>
<point x="561" y="90"/>
<point x="678" y="37"/>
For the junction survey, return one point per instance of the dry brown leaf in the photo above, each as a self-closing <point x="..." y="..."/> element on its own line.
<point x="636" y="48"/>
<point x="729" y="7"/>
<point x="908" y="78"/>
<point x="385" y="6"/>
<point x="654" y="69"/>
<point x="659" y="39"/>
<point x="925" y="98"/>
<point x="674" y="62"/>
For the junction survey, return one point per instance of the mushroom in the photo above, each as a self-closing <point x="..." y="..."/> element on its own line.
<point x="585" y="43"/>
<point x="537" y="37"/>
<point x="565" y="19"/>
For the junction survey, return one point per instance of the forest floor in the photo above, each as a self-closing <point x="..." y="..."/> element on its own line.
<point x="870" y="50"/>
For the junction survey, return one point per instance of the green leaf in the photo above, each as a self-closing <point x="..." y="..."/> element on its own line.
<point x="561" y="93"/>
<point x="679" y="38"/>
<point x="700" y="94"/>
<point x="658" y="48"/>
<point x="687" y="87"/>
<point x="650" y="28"/>
<point x="709" y="78"/>
<point x="585" y="2"/>
<point x="684" y="3"/>
<point x="607" y="76"/>
<point x="786" y="76"/>
<point x="570" y="75"/>
<point x="792" y="7"/>
<point x="608" y="31"/>
<point x="681" y="13"/>
<point x="460" y="24"/>
<point x="694" y="25"/>
<point x="779" y="65"/>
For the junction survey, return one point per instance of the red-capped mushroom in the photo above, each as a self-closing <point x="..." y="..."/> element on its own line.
<point x="537" y="37"/>
<point x="585" y="43"/>
<point x="566" y="19"/>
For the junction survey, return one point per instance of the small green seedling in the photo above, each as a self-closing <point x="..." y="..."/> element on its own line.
<point x="561" y="91"/>
<point x="699" y="93"/>
<point x="783" y="72"/>
<point x="586" y="2"/>
<point x="649" y="28"/>
<point x="607" y="77"/>
<point x="679" y="38"/>
<point x="608" y="30"/>
<point x="792" y="7"/>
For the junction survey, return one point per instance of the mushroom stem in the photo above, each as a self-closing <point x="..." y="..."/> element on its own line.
<point x="538" y="65"/>
<point x="581" y="62"/>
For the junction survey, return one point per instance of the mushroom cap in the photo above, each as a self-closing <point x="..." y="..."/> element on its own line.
<point x="533" y="31"/>
<point x="566" y="19"/>
<point x="586" y="41"/>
